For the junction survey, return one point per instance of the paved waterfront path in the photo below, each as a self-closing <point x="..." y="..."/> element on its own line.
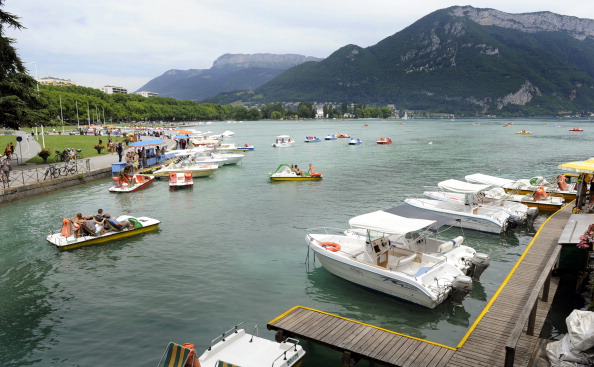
<point x="29" y="147"/>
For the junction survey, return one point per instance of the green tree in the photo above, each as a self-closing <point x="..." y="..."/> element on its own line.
<point x="20" y="104"/>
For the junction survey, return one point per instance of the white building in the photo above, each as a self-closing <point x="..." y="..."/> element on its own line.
<point x="110" y="89"/>
<point x="147" y="94"/>
<point x="50" y="80"/>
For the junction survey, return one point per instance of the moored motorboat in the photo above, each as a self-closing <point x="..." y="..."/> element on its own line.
<point x="124" y="183"/>
<point x="330" y="137"/>
<point x="576" y="129"/>
<point x="285" y="172"/>
<point x="524" y="132"/>
<point x="384" y="141"/>
<point x="386" y="252"/>
<point x="469" y="213"/>
<point x="180" y="180"/>
<point x="187" y="164"/>
<point x="481" y="195"/>
<point x="354" y="141"/>
<point x="312" y="139"/>
<point x="342" y="136"/>
<point x="67" y="240"/>
<point x="236" y="347"/>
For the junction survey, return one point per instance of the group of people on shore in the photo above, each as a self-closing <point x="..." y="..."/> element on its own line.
<point x="99" y="224"/>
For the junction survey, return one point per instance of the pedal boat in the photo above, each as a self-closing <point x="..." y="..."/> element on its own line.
<point x="236" y="347"/>
<point x="130" y="183"/>
<point x="65" y="239"/>
<point x="284" y="173"/>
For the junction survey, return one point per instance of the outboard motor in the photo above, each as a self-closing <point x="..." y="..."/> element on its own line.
<point x="461" y="286"/>
<point x="479" y="263"/>
<point x="531" y="213"/>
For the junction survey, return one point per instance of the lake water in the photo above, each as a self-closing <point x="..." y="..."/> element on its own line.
<point x="232" y="249"/>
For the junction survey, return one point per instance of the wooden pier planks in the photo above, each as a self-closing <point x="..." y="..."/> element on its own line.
<point x="483" y="346"/>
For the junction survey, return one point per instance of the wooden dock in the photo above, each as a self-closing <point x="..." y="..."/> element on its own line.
<point x="483" y="345"/>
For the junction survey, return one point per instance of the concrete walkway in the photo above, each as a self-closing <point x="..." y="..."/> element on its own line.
<point x="29" y="147"/>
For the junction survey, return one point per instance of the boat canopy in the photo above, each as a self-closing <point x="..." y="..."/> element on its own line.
<point x="410" y="211"/>
<point x="462" y="187"/>
<point x="586" y="166"/>
<point x="486" y="179"/>
<point x="147" y="143"/>
<point x="384" y="222"/>
<point x="283" y="136"/>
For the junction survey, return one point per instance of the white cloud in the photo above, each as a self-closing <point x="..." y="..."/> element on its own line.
<point x="97" y="42"/>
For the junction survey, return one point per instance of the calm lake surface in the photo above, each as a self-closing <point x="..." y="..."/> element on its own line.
<point x="233" y="249"/>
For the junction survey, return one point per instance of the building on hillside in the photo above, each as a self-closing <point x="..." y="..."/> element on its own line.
<point x="50" y="80"/>
<point x="110" y="89"/>
<point x="320" y="112"/>
<point x="147" y="94"/>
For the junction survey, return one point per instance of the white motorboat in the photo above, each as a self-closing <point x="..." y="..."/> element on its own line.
<point x="469" y="214"/>
<point x="228" y="158"/>
<point x="527" y="186"/>
<point x="187" y="164"/>
<point x="283" y="141"/>
<point x="387" y="253"/>
<point x="236" y="347"/>
<point x="457" y="191"/>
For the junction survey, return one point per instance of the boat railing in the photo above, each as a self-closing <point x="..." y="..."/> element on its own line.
<point x="284" y="354"/>
<point x="222" y="337"/>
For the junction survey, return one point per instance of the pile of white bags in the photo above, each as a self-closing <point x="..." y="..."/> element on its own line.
<point x="576" y="347"/>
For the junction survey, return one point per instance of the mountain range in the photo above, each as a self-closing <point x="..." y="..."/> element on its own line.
<point x="229" y="72"/>
<point x="460" y="60"/>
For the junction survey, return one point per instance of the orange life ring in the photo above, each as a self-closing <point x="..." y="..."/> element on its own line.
<point x="330" y="246"/>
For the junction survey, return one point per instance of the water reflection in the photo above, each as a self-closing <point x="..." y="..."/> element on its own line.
<point x="378" y="309"/>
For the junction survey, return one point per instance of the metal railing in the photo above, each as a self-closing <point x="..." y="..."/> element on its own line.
<point x="529" y="312"/>
<point x="46" y="173"/>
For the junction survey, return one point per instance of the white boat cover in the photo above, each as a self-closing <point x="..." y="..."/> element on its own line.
<point x="486" y="179"/>
<point x="462" y="187"/>
<point x="410" y="211"/>
<point x="384" y="222"/>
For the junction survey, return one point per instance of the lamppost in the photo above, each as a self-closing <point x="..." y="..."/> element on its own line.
<point x="36" y="77"/>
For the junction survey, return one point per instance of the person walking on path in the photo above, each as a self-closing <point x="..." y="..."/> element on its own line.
<point x="120" y="151"/>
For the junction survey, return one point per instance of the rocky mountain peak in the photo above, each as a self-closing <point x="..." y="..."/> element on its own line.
<point x="578" y="28"/>
<point x="274" y="61"/>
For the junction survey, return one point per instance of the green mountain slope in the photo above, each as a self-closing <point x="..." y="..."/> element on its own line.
<point x="457" y="60"/>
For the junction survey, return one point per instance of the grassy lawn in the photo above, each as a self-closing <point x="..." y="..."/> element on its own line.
<point x="59" y="142"/>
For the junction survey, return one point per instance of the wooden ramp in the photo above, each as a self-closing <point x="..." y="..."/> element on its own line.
<point x="358" y="340"/>
<point x="483" y="345"/>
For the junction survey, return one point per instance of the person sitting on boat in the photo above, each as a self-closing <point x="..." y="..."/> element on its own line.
<point x="111" y="223"/>
<point x="99" y="216"/>
<point x="76" y="223"/>
<point x="311" y="170"/>
<point x="561" y="182"/>
<point x="540" y="194"/>
<point x="298" y="171"/>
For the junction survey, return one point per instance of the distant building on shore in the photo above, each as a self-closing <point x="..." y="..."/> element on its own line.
<point x="147" y="94"/>
<point x="110" y="89"/>
<point x="50" y="80"/>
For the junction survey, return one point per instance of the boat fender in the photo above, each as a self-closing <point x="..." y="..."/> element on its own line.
<point x="330" y="246"/>
<point x="192" y="360"/>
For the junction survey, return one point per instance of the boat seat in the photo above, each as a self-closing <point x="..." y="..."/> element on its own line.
<point x="175" y="356"/>
<point x="225" y="364"/>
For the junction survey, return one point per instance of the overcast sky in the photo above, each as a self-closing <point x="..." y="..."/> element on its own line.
<point x="129" y="42"/>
